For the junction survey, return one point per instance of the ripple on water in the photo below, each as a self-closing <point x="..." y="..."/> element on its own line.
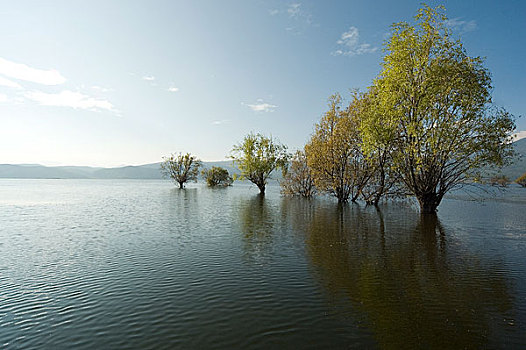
<point x="137" y="264"/>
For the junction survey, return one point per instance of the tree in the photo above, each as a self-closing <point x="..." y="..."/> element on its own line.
<point x="521" y="180"/>
<point x="499" y="180"/>
<point x="257" y="156"/>
<point x="217" y="176"/>
<point x="181" y="168"/>
<point x="377" y="145"/>
<point x="436" y="100"/>
<point x="334" y="153"/>
<point x="298" y="180"/>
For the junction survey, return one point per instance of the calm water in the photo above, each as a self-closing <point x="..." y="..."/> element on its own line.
<point x="91" y="264"/>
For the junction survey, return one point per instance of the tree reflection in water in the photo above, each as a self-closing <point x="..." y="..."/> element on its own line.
<point x="257" y="220"/>
<point x="405" y="279"/>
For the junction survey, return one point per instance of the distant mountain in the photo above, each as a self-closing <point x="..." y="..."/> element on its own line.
<point x="146" y="171"/>
<point x="152" y="171"/>
<point x="518" y="167"/>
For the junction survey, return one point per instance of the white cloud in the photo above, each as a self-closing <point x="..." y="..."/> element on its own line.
<point x="294" y="10"/>
<point x="461" y="25"/>
<point x="22" y="72"/>
<point x="9" y="83"/>
<point x="519" y="135"/>
<point x="350" y="44"/>
<point x="173" y="89"/>
<point x="219" y="122"/>
<point x="273" y="12"/>
<point x="3" y="98"/>
<point x="261" y="106"/>
<point x="149" y="78"/>
<point x="71" y="99"/>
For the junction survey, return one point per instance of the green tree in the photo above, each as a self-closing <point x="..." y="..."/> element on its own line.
<point x="181" y="168"/>
<point x="334" y="152"/>
<point x="377" y="145"/>
<point x="217" y="176"/>
<point x="257" y="156"/>
<point x="436" y="100"/>
<point x="298" y="180"/>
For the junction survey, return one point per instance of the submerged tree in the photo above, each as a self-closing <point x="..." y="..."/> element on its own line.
<point x="521" y="180"/>
<point x="377" y="145"/>
<point x="438" y="104"/>
<point x="217" y="176"/>
<point x="334" y="153"/>
<point x="298" y="180"/>
<point x="181" y="168"/>
<point x="257" y="156"/>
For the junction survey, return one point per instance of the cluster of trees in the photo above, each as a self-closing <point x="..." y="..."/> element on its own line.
<point x="426" y="125"/>
<point x="182" y="168"/>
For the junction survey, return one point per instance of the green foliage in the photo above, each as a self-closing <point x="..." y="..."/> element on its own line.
<point x="433" y="106"/>
<point x="257" y="156"/>
<point x="217" y="176"/>
<point x="521" y="180"/>
<point x="181" y="168"/>
<point x="334" y="152"/>
<point x="298" y="180"/>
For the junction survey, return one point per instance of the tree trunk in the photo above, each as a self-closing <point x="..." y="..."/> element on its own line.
<point x="429" y="202"/>
<point x="181" y="184"/>
<point x="261" y="188"/>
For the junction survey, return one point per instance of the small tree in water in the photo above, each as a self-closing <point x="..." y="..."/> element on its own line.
<point x="298" y="180"/>
<point x="257" y="157"/>
<point x="181" y="168"/>
<point x="522" y="180"/>
<point x="217" y="176"/>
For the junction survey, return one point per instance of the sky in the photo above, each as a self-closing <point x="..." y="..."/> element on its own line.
<point x="112" y="83"/>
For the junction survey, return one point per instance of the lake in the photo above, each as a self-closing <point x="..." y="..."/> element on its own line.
<point x="136" y="264"/>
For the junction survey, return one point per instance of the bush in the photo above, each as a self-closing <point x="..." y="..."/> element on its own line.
<point x="217" y="176"/>
<point x="500" y="180"/>
<point x="521" y="180"/>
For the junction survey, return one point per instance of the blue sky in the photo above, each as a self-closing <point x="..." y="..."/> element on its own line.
<point x="109" y="83"/>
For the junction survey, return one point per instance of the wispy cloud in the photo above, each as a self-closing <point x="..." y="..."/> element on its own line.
<point x="219" y="122"/>
<point x="350" y="44"/>
<point x="3" y="98"/>
<point x="458" y="24"/>
<point x="23" y="72"/>
<point x="261" y="106"/>
<point x="294" y="10"/>
<point x="173" y="89"/>
<point x="9" y="83"/>
<point x="519" y="135"/>
<point x="71" y="99"/>
<point x="148" y="78"/>
<point x="101" y="88"/>
<point x="299" y="18"/>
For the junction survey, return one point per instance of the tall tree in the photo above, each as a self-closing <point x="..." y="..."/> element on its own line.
<point x="439" y="107"/>
<point x="334" y="152"/>
<point x="257" y="156"/>
<point x="378" y="147"/>
<point x="181" y="168"/>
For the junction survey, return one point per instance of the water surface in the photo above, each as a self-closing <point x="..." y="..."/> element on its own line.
<point x="140" y="264"/>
